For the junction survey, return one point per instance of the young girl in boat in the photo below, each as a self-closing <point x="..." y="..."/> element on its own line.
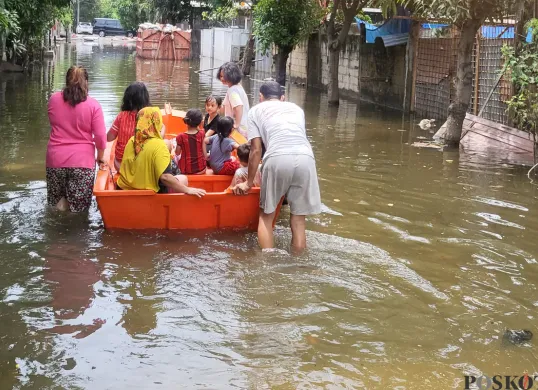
<point x="212" y="107"/>
<point x="191" y="146"/>
<point x="135" y="98"/>
<point x="220" y="159"/>
<point x="235" y="104"/>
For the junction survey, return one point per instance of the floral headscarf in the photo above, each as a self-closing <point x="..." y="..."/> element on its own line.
<point x="149" y="123"/>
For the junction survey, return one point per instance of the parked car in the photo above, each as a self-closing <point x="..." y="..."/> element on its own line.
<point x="105" y="26"/>
<point x="84" y="28"/>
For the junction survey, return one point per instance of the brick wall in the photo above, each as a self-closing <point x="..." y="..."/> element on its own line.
<point x="297" y="63"/>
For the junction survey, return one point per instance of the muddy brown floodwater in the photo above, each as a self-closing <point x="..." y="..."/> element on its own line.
<point x="418" y="264"/>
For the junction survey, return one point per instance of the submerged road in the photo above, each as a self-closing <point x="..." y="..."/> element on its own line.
<point x="420" y="262"/>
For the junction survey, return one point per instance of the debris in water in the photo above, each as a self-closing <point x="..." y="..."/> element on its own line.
<point x="449" y="161"/>
<point x="428" y="144"/>
<point x="337" y="200"/>
<point x="426" y="124"/>
<point x="516" y="337"/>
<point x="390" y="204"/>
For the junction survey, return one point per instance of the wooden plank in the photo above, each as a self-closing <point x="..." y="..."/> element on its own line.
<point x="499" y="126"/>
<point x="493" y="136"/>
<point x="485" y="134"/>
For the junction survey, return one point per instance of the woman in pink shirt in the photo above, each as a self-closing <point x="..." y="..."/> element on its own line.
<point x="77" y="129"/>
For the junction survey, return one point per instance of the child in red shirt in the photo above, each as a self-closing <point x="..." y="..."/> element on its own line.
<point x="191" y="146"/>
<point x="135" y="98"/>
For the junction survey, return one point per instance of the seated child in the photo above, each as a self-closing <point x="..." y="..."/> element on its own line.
<point x="212" y="107"/>
<point x="191" y="146"/>
<point x="220" y="159"/>
<point x="173" y="159"/>
<point x="241" y="175"/>
<point x="135" y="98"/>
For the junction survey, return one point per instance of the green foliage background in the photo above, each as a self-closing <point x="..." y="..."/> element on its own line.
<point x="285" y="23"/>
<point x="522" y="70"/>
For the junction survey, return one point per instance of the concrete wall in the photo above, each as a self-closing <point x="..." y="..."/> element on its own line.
<point x="207" y="43"/>
<point x="298" y="63"/>
<point x="218" y="42"/>
<point x="382" y="72"/>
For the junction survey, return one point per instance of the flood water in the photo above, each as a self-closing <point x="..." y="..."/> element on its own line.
<point x="420" y="262"/>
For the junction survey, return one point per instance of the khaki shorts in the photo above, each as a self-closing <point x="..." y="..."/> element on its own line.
<point x="294" y="176"/>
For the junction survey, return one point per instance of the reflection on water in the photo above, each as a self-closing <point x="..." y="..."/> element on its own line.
<point x="419" y="263"/>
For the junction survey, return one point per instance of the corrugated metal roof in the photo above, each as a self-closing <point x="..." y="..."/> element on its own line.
<point x="395" y="39"/>
<point x="392" y="27"/>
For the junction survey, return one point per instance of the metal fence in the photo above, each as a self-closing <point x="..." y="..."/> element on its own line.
<point x="488" y="63"/>
<point x="436" y="63"/>
<point x="435" y="70"/>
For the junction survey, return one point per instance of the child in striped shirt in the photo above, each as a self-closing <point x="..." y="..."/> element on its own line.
<point x="190" y="145"/>
<point x="135" y="98"/>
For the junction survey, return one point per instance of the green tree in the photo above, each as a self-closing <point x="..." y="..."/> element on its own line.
<point x="34" y="17"/>
<point x="467" y="16"/>
<point x="109" y="9"/>
<point x="8" y="25"/>
<point x="65" y="16"/>
<point x="89" y="10"/>
<point x="522" y="68"/>
<point x="284" y="23"/>
<point x="338" y="23"/>
<point x="176" y="11"/>
<point x="337" y="29"/>
<point x="227" y="10"/>
<point x="132" y="13"/>
<point x="221" y="13"/>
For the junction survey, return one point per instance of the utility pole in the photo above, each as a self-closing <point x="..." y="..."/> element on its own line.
<point x="78" y="13"/>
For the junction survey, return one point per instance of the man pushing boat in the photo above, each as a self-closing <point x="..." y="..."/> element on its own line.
<point x="289" y="167"/>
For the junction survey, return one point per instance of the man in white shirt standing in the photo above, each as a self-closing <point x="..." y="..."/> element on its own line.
<point x="289" y="167"/>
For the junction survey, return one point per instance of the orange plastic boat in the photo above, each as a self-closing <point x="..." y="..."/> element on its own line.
<point x="144" y="209"/>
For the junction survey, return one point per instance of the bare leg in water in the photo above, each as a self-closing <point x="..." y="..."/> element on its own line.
<point x="265" y="230"/>
<point x="298" y="232"/>
<point x="63" y="204"/>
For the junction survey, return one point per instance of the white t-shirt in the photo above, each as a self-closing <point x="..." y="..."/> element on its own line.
<point x="236" y="96"/>
<point x="281" y="126"/>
